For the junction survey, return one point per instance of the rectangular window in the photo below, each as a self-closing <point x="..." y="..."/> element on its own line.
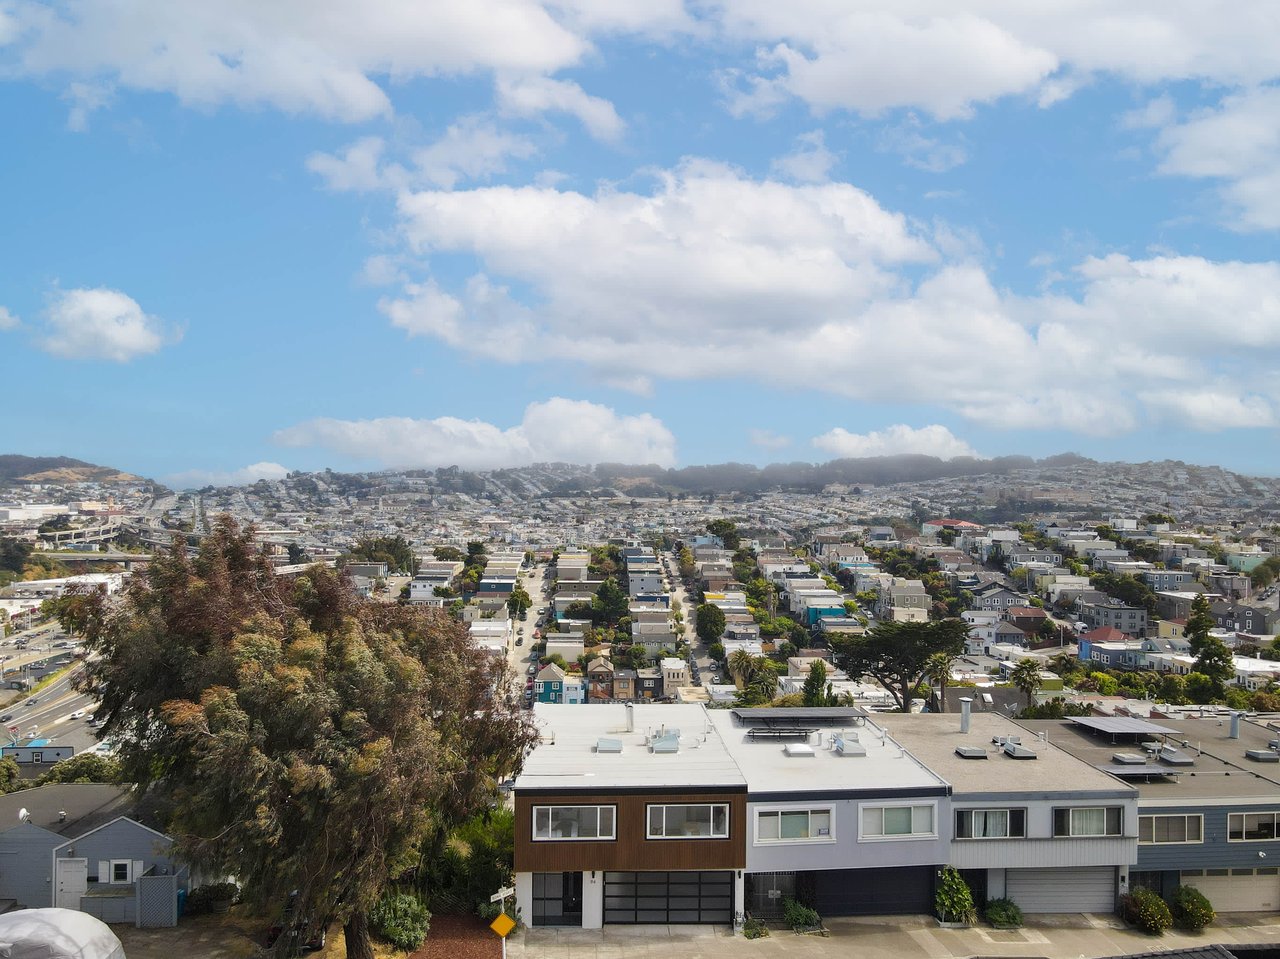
<point x="793" y="825"/>
<point x="1088" y="821"/>
<point x="991" y="823"/>
<point x="551" y="823"/>
<point x="120" y="870"/>
<point x="898" y="822"/>
<point x="704" y="821"/>
<point x="1251" y="826"/>
<point x="1156" y="830"/>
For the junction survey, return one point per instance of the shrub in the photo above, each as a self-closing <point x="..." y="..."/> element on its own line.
<point x="754" y="929"/>
<point x="1144" y="909"/>
<point x="954" y="899"/>
<point x="401" y="919"/>
<point x="201" y="899"/>
<point x="1004" y="913"/>
<point x="798" y="916"/>
<point x="1190" y="909"/>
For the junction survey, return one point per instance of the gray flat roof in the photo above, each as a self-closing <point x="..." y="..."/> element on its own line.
<point x="1219" y="769"/>
<point x="933" y="738"/>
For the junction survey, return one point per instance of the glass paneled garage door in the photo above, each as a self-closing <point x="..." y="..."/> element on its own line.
<point x="668" y="897"/>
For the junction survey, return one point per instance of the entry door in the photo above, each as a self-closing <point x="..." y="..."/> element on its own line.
<point x="72" y="883"/>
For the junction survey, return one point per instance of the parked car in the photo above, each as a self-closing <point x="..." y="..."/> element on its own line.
<point x="519" y="640"/>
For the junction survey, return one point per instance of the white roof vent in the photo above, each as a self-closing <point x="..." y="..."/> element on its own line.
<point x="607" y="745"/>
<point x="798" y="749"/>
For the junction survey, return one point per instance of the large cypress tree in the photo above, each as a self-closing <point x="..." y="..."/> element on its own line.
<point x="307" y="740"/>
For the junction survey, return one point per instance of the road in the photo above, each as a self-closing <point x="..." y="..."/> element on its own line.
<point x="688" y="610"/>
<point x="48" y="714"/>
<point x="520" y="657"/>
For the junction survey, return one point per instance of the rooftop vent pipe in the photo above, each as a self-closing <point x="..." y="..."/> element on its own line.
<point x="631" y="718"/>
<point x="1235" y="725"/>
<point x="966" y="703"/>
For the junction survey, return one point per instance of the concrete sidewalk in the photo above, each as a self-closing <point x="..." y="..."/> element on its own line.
<point x="886" y="937"/>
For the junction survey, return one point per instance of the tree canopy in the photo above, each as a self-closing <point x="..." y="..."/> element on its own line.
<point x="395" y="551"/>
<point x="896" y="654"/>
<point x="308" y="740"/>
<point x="727" y="530"/>
<point x="709" y="623"/>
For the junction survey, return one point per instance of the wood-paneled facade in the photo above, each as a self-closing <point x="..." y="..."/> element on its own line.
<point x="631" y="850"/>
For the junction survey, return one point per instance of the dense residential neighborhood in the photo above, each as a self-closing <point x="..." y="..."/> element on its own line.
<point x="735" y="710"/>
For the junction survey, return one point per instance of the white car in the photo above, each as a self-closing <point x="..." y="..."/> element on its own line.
<point x="78" y="714"/>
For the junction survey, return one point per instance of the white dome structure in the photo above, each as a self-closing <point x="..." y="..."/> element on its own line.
<point x="56" y="934"/>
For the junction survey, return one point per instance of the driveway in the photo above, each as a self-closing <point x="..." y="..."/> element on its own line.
<point x="884" y="937"/>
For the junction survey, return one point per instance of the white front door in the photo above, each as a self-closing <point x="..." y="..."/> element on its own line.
<point x="72" y="883"/>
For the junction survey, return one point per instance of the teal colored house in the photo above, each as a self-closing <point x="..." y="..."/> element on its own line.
<point x="548" y="685"/>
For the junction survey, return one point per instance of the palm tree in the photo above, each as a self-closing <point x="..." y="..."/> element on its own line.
<point x="938" y="672"/>
<point x="742" y="666"/>
<point x="1026" y="676"/>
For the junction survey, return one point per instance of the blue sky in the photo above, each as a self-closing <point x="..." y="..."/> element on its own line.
<point x="244" y="238"/>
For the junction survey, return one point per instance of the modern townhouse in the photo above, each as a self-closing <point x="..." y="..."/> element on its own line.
<point x="837" y="812"/>
<point x="659" y="814"/>
<point x="1208" y="800"/>
<point x="1028" y="820"/>
<point x="629" y="814"/>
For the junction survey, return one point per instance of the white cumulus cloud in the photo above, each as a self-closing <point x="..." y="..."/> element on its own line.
<point x="101" y="324"/>
<point x="714" y="274"/>
<point x="7" y="319"/>
<point x="198" y="479"/>
<point x="533" y="96"/>
<point x="1236" y="144"/>
<point x="932" y="440"/>
<point x="557" y="430"/>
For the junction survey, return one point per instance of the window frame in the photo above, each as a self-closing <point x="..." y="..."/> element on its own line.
<point x="1009" y="810"/>
<point x="1072" y="810"/>
<point x="128" y="872"/>
<point x="830" y="837"/>
<point x="728" y="825"/>
<point x="533" y="821"/>
<point x="1275" y="827"/>
<point x="864" y="836"/>
<point x="1152" y="817"/>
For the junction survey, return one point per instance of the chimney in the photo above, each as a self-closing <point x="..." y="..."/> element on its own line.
<point x="631" y="718"/>
<point x="1235" y="725"/>
<point x="965" y="703"/>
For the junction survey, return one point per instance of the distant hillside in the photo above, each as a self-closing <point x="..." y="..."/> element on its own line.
<point x="15" y="468"/>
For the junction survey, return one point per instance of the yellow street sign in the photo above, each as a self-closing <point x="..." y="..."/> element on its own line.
<point x="503" y="925"/>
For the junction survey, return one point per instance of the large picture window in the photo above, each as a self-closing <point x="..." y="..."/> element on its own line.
<point x="898" y="822"/>
<point x="1158" y="830"/>
<point x="702" y="821"/>
<point x="1251" y="827"/>
<point x="1088" y="821"/>
<point x="991" y="823"/>
<point x="552" y="823"/>
<point x="794" y="825"/>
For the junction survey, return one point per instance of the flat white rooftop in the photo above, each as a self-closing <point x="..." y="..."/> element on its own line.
<point x="769" y="767"/>
<point x="567" y="757"/>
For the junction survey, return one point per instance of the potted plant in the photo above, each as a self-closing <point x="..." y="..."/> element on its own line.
<point x="954" y="901"/>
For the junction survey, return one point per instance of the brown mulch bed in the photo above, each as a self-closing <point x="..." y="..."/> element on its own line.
<point x="459" y="937"/>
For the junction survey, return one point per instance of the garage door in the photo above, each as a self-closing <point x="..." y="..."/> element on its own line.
<point x="1237" y="890"/>
<point x="668" y="897"/>
<point x="1063" y="890"/>
<point x="906" y="890"/>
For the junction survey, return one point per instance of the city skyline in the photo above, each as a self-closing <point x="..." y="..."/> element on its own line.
<point x="253" y="242"/>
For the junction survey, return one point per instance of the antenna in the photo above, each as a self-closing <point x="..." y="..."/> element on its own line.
<point x="23" y="815"/>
